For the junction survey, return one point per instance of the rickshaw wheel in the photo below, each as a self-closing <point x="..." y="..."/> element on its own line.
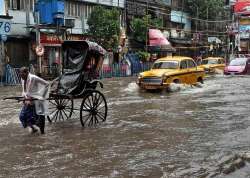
<point x="60" y="109"/>
<point x="93" y="108"/>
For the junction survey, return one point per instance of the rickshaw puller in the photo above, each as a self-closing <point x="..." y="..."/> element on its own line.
<point x="35" y="91"/>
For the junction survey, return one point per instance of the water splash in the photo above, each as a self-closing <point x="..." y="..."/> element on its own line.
<point x="132" y="87"/>
<point x="178" y="87"/>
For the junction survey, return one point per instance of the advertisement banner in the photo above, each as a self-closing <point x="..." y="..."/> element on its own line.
<point x="244" y="28"/>
<point x="50" y="39"/>
<point x="244" y="35"/>
<point x="244" y="21"/>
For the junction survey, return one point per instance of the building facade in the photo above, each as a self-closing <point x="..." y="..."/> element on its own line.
<point x="176" y="22"/>
<point x="22" y="42"/>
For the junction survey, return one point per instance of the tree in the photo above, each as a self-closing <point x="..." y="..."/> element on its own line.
<point x="139" y="27"/>
<point x="104" y="27"/>
<point x="206" y="8"/>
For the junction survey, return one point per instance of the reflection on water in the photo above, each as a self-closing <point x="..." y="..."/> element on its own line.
<point x="182" y="133"/>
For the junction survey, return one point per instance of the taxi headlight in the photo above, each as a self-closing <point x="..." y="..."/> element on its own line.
<point x="207" y="69"/>
<point x="140" y="76"/>
<point x="165" y="77"/>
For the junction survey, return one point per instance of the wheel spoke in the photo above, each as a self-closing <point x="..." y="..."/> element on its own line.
<point x="97" y="99"/>
<point x="86" y="110"/>
<point x="65" y="102"/>
<point x="98" y="109"/>
<point x="53" y="107"/>
<point x="98" y="104"/>
<point x="91" y="121"/>
<point x="86" y="115"/>
<point x="57" y="102"/>
<point x="89" y="102"/>
<point x="65" y="114"/>
<point x="68" y="114"/>
<point x="51" y="101"/>
<point x="53" y="111"/>
<point x="53" y="115"/>
<point x="88" y="106"/>
<point x="92" y="98"/>
<point x="97" y="116"/>
<point x="101" y="116"/>
<point x="96" y="120"/>
<point x="56" y="115"/>
<point x="89" y="116"/>
<point x="59" y="116"/>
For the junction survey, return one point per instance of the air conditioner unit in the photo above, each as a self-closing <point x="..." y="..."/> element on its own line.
<point x="69" y="22"/>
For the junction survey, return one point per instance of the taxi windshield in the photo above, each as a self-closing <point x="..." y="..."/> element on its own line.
<point x="238" y="62"/>
<point x="166" y="65"/>
<point x="210" y="61"/>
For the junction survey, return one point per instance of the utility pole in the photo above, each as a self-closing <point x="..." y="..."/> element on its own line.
<point x="38" y="40"/>
<point x="147" y="27"/>
<point x="2" y="59"/>
<point x="196" y="29"/>
<point x="28" y="23"/>
<point x="207" y="23"/>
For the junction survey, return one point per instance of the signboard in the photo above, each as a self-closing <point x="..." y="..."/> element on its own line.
<point x="243" y="28"/>
<point x="39" y="50"/>
<point x="244" y="22"/>
<point x="50" y="39"/>
<point x="5" y="27"/>
<point x="242" y="6"/>
<point x="244" y="35"/>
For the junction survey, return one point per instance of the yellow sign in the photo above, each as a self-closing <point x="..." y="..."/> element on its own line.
<point x="244" y="22"/>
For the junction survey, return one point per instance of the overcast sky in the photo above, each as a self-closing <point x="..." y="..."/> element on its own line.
<point x="2" y="7"/>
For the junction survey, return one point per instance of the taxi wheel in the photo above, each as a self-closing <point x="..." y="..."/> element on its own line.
<point x="177" y="81"/>
<point x="200" y="80"/>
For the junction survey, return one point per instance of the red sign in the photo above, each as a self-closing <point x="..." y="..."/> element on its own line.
<point x="242" y="6"/>
<point x="50" y="39"/>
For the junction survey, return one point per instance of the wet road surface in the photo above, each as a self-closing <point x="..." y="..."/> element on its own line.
<point x="184" y="133"/>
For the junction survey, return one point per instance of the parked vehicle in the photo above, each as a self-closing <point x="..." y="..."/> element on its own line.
<point x="213" y="65"/>
<point x="167" y="70"/>
<point x="238" y="66"/>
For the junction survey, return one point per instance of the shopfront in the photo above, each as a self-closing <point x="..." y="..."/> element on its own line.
<point x="52" y="58"/>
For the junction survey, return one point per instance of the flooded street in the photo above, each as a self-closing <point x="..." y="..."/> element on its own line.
<point x="184" y="133"/>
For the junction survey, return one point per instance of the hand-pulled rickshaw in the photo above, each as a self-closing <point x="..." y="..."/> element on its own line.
<point x="82" y="61"/>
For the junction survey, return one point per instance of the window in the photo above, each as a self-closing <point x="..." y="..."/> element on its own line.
<point x="21" y="4"/>
<point x="191" y="64"/>
<point x="238" y="62"/>
<point x="204" y="62"/>
<point x="166" y="65"/>
<point x="183" y="64"/>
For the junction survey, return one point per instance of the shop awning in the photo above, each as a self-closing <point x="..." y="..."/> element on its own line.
<point x="242" y="6"/>
<point x="158" y="41"/>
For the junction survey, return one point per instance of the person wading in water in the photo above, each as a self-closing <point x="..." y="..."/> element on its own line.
<point x="35" y="93"/>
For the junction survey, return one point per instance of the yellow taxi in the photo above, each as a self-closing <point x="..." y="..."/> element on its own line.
<point x="167" y="70"/>
<point x="213" y="65"/>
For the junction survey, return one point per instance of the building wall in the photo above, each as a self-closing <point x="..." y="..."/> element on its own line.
<point x="114" y="3"/>
<point x="181" y="17"/>
<point x="22" y="41"/>
<point x="19" y="23"/>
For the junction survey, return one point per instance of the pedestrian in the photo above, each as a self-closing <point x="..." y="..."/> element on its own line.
<point x="35" y="93"/>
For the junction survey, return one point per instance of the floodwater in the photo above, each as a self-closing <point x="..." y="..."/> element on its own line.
<point x="184" y="133"/>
